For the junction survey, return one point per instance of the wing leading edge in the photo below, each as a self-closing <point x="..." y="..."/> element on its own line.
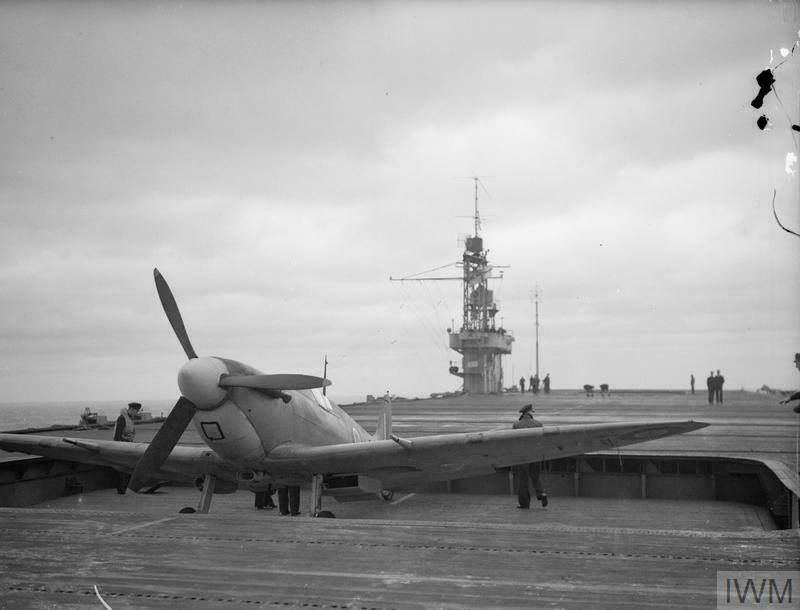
<point x="453" y="456"/>
<point x="183" y="464"/>
<point x="395" y="461"/>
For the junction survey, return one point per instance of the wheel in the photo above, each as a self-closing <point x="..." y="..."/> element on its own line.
<point x="387" y="494"/>
<point x="325" y="514"/>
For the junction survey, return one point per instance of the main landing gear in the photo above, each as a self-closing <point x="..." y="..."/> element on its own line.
<point x="316" y="499"/>
<point x="317" y="486"/>
<point x="206" y="486"/>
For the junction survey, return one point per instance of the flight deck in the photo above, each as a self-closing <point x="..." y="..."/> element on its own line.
<point x="418" y="551"/>
<point x="622" y="529"/>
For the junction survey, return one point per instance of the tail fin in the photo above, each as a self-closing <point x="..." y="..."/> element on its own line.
<point x="384" y="429"/>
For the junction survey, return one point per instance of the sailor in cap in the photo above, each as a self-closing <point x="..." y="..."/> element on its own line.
<point x="124" y="431"/>
<point x="796" y="395"/>
<point x="522" y="472"/>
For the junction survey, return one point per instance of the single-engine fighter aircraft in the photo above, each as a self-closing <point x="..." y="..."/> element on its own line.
<point x="282" y="429"/>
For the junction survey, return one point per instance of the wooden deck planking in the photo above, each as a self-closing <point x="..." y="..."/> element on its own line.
<point x="440" y="550"/>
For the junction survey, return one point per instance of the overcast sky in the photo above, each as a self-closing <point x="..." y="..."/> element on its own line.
<point x="278" y="162"/>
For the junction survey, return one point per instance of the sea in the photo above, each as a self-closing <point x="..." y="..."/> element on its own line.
<point x="26" y="415"/>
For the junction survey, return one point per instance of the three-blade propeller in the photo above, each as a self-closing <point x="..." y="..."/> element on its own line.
<point x="184" y="410"/>
<point x="163" y="442"/>
<point x="173" y="314"/>
<point x="273" y="382"/>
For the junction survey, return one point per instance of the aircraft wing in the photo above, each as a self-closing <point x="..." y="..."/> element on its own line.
<point x="184" y="463"/>
<point x="393" y="462"/>
<point x="453" y="456"/>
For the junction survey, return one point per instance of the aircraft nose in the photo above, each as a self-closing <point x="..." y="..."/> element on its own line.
<point x="198" y="381"/>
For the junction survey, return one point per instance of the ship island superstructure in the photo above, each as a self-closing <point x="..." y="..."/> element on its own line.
<point x="480" y="341"/>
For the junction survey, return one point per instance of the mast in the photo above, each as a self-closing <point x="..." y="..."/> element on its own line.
<point x="480" y="341"/>
<point x="477" y="216"/>
<point x="537" y="332"/>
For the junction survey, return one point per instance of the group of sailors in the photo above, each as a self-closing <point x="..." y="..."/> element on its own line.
<point x="534" y="384"/>
<point x="715" y="383"/>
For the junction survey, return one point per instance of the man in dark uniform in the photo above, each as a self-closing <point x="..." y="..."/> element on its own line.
<point x="289" y="500"/>
<point x="710" y="384"/>
<point x="796" y="395"/>
<point x="264" y="498"/>
<point x="522" y="385"/>
<point x="719" y="380"/>
<point x="533" y="470"/>
<point x="125" y="432"/>
<point x="691" y="381"/>
<point x="547" y="383"/>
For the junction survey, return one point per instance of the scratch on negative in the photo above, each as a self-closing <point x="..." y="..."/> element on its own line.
<point x="404" y="498"/>
<point x="140" y="525"/>
<point x="102" y="601"/>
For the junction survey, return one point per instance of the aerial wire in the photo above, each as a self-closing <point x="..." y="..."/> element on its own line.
<point x="419" y="355"/>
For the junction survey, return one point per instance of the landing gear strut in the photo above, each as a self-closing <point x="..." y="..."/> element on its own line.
<point x="207" y="489"/>
<point x="206" y="486"/>
<point x="316" y="499"/>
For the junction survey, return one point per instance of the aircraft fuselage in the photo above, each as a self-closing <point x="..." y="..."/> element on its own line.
<point x="243" y="425"/>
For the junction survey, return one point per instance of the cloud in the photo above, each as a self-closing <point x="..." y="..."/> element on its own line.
<point x="279" y="162"/>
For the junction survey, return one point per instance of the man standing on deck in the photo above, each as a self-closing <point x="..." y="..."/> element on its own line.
<point x="796" y="395"/>
<point x="710" y="384"/>
<point x="289" y="500"/>
<point x="533" y="470"/>
<point x="547" y="383"/>
<point x="521" y="385"/>
<point x="691" y="381"/>
<point x="719" y="380"/>
<point x="124" y="431"/>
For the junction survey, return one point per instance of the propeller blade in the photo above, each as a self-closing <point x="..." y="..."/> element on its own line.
<point x="163" y="442"/>
<point x="273" y="382"/>
<point x="173" y="313"/>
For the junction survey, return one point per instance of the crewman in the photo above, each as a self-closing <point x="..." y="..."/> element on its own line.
<point x="289" y="500"/>
<point x="263" y="499"/>
<point x="796" y="395"/>
<point x="719" y="381"/>
<point x="533" y="470"/>
<point x="522" y="385"/>
<point x="547" y="383"/>
<point x="710" y="383"/>
<point x="124" y="431"/>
